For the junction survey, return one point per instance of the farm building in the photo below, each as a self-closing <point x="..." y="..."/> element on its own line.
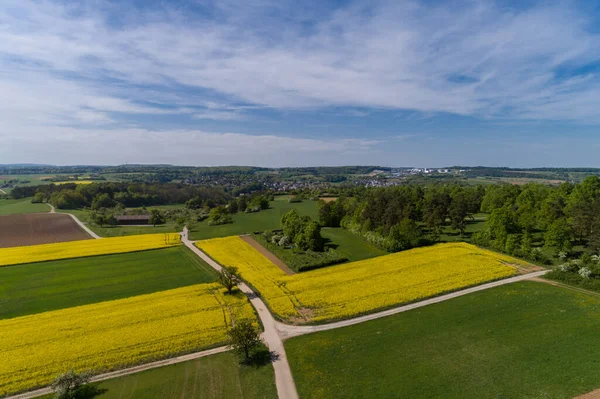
<point x="133" y="219"/>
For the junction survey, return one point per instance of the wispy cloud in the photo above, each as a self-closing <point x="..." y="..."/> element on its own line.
<point x="473" y="58"/>
<point x="88" y="65"/>
<point x="189" y="147"/>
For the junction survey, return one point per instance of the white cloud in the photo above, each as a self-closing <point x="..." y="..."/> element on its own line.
<point x="399" y="55"/>
<point x="188" y="147"/>
<point x="65" y="68"/>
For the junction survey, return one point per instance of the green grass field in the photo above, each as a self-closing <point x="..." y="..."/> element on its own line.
<point x="523" y="340"/>
<point x="350" y="245"/>
<point x="213" y="377"/>
<point x="120" y="231"/>
<point x="20" y="206"/>
<point x="477" y="224"/>
<point x="268" y="219"/>
<point x="40" y="287"/>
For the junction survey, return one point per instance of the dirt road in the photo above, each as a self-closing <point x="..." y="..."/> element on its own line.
<point x="288" y="331"/>
<point x="286" y="387"/>
<point x="79" y="222"/>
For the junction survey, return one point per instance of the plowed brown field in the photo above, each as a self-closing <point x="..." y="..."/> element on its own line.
<point x="38" y="228"/>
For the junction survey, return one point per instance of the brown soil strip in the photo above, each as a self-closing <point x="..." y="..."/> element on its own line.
<point x="526" y="269"/>
<point x="590" y="395"/>
<point x="267" y="254"/>
<point x="328" y="199"/>
<point x="38" y="228"/>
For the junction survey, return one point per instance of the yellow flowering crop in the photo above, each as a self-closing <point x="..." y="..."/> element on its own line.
<point x="78" y="249"/>
<point x="78" y="182"/>
<point x="351" y="289"/>
<point x="115" y="334"/>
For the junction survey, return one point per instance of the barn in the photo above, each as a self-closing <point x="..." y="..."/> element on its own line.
<point x="133" y="220"/>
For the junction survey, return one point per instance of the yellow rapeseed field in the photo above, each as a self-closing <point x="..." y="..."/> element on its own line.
<point x="78" y="182"/>
<point x="78" y="249"/>
<point x="114" y="334"/>
<point x="351" y="289"/>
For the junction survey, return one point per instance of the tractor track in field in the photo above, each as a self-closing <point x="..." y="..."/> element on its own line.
<point x="130" y="370"/>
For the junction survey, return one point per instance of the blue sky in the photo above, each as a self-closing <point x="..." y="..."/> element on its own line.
<point x="288" y="83"/>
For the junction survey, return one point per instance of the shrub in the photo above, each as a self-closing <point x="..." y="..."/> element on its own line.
<point x="66" y="385"/>
<point x="585" y="272"/>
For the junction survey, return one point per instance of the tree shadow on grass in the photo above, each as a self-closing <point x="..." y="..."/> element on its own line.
<point x="90" y="391"/>
<point x="260" y="357"/>
<point x="329" y="244"/>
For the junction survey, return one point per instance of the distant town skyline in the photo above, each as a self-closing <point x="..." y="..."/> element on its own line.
<point x="281" y="83"/>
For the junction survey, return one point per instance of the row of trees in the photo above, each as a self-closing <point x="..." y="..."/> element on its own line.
<point x="521" y="218"/>
<point x="131" y="195"/>
<point x="403" y="217"/>
<point x="558" y="217"/>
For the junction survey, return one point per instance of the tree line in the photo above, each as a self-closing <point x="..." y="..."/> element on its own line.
<point x="521" y="218"/>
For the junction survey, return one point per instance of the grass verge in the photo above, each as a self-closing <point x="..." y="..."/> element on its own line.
<point x="21" y="206"/>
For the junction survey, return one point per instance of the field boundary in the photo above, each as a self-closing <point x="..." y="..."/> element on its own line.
<point x="82" y="225"/>
<point x="130" y="370"/>
<point x="267" y="254"/>
<point x="288" y="331"/>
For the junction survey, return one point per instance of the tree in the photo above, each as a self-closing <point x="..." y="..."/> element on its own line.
<point x="229" y="277"/>
<point x="111" y="220"/>
<point x="458" y="211"/>
<point x="98" y="218"/>
<point x="66" y="385"/>
<point x="219" y="215"/>
<point x="500" y="224"/>
<point x="102" y="201"/>
<point x="38" y="198"/>
<point x="232" y="207"/>
<point x="309" y="238"/>
<point x="559" y="236"/>
<point x="242" y="203"/>
<point x="156" y="217"/>
<point x="405" y="235"/>
<point x="244" y="337"/>
<point x="291" y="223"/>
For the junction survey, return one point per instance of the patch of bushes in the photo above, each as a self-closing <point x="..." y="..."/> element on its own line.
<point x="296" y="259"/>
<point x="583" y="272"/>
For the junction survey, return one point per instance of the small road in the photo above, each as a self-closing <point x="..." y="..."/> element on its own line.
<point x="79" y="222"/>
<point x="131" y="370"/>
<point x="286" y="387"/>
<point x="3" y="192"/>
<point x="288" y="331"/>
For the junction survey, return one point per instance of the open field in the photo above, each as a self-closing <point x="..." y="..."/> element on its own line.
<point x="328" y="199"/>
<point x="41" y="287"/>
<point x="472" y="226"/>
<point x="213" y="377"/>
<point x="120" y="231"/>
<point x="523" y="340"/>
<point x="351" y="289"/>
<point x="243" y="223"/>
<point x="350" y="245"/>
<point x="77" y="182"/>
<point x="78" y="249"/>
<point x="38" y="228"/>
<point x="109" y="335"/>
<point x="20" y="206"/>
